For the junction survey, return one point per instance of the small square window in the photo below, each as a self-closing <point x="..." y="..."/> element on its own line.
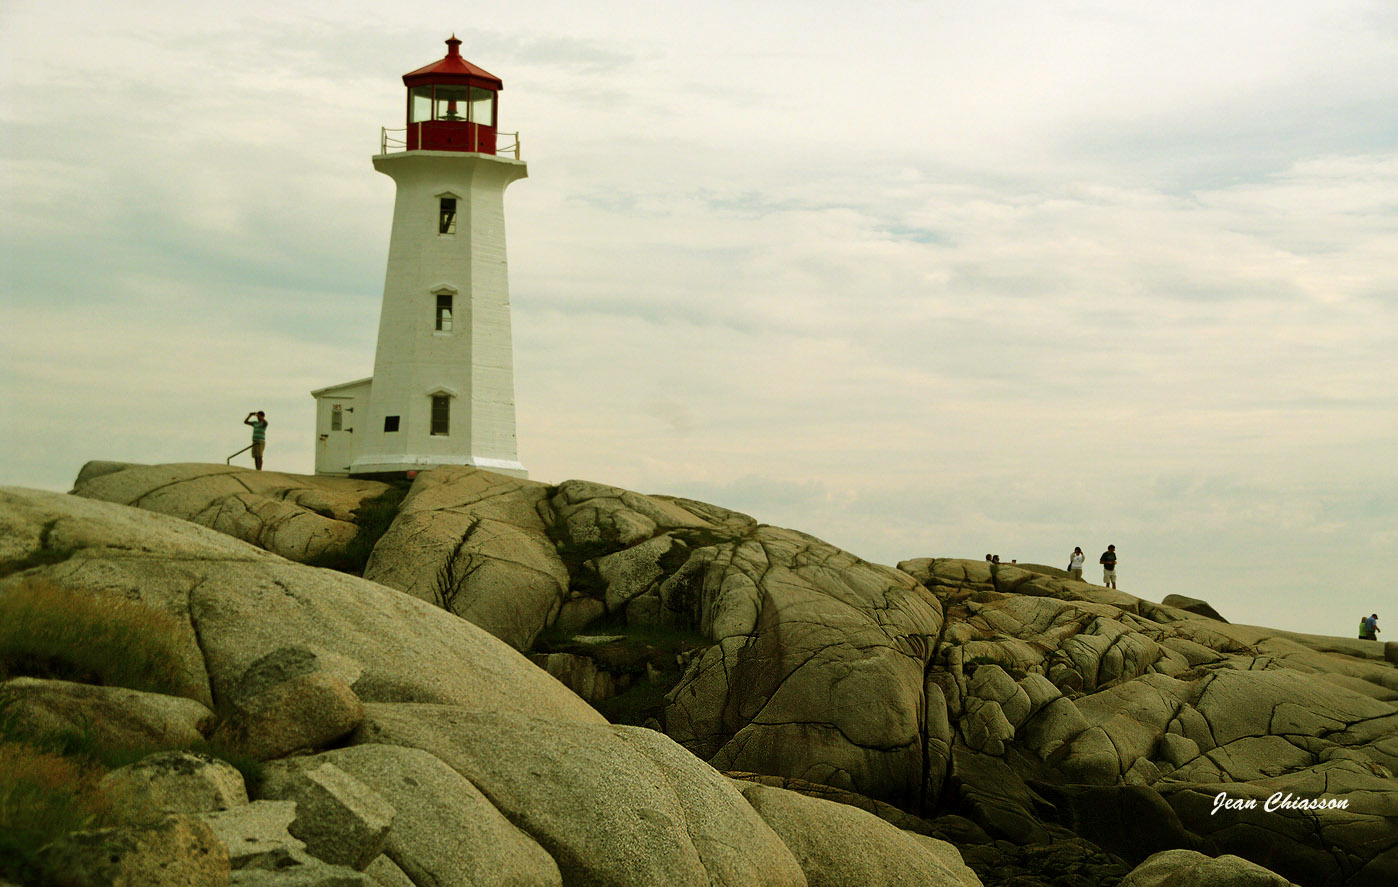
<point x="446" y="217"/>
<point x="443" y="313"/>
<point x="337" y="421"/>
<point x="390" y="423"/>
<point x="441" y="414"/>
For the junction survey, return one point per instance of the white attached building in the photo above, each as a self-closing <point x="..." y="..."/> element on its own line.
<point x="442" y="392"/>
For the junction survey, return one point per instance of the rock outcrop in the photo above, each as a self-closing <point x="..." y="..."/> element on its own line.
<point x="460" y="749"/>
<point x="306" y="519"/>
<point x="1049" y="728"/>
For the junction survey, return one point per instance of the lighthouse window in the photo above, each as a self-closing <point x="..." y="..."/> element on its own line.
<point x="390" y="423"/>
<point x="443" y="313"/>
<point x="421" y="107"/>
<point x="441" y="413"/>
<point x="482" y="106"/>
<point x="446" y="218"/>
<point x="452" y="102"/>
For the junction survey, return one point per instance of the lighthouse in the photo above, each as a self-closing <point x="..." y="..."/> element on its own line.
<point x="442" y="392"/>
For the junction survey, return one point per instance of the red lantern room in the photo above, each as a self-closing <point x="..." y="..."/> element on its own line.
<point x="452" y="105"/>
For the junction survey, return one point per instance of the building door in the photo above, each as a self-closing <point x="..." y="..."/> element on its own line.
<point x="335" y="443"/>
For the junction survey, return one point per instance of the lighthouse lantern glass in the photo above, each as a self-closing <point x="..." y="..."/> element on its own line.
<point x="455" y="103"/>
<point x="421" y="107"/>
<point x="452" y="103"/>
<point x="482" y="106"/>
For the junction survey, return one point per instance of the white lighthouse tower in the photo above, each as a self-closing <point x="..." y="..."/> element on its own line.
<point x="442" y="392"/>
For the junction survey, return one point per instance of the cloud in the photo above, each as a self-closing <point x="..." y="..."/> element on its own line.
<point x="918" y="279"/>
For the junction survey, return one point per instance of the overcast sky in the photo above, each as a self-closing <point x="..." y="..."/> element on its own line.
<point x="919" y="278"/>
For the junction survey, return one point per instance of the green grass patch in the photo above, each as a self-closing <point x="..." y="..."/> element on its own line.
<point x="49" y="631"/>
<point x="43" y="796"/>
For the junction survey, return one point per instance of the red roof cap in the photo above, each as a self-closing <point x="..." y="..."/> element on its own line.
<point x="453" y="69"/>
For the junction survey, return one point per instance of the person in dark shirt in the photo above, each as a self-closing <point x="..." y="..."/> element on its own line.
<point x="1108" y="562"/>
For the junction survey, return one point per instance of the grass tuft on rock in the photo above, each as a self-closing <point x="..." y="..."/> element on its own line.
<point x="48" y="631"/>
<point x="43" y="796"/>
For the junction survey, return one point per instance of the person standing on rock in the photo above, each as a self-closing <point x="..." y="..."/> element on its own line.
<point x="259" y="436"/>
<point x="1075" y="564"/>
<point x="1369" y="628"/>
<point x="1108" y="562"/>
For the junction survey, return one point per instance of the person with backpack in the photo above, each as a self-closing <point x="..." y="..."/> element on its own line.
<point x="1075" y="564"/>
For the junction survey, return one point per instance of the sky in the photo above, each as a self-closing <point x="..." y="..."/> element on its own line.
<point x="919" y="278"/>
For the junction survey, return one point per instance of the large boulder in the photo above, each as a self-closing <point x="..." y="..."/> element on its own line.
<point x="612" y="805"/>
<point x="1189" y="868"/>
<point x="109" y="716"/>
<point x="817" y="670"/>
<point x="173" y="851"/>
<point x="475" y="543"/>
<point x="342" y="820"/>
<point x="306" y="518"/>
<point x="839" y="846"/>
<point x="444" y="831"/>
<point x="237" y="604"/>
<point x="175" y="782"/>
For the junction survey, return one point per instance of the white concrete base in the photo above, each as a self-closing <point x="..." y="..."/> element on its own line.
<point x="413" y="462"/>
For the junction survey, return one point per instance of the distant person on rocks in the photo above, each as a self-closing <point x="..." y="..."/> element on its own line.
<point x="259" y="436"/>
<point x="1108" y="562"/>
<point x="1075" y="564"/>
<point x="1369" y="628"/>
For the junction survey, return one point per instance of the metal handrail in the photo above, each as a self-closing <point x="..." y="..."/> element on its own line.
<point x="229" y="460"/>
<point x="391" y="143"/>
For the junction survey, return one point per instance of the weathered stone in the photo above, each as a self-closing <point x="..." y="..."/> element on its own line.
<point x="445" y="831"/>
<point x="285" y="663"/>
<point x="311" y="873"/>
<point x="633" y="571"/>
<point x="1192" y="605"/>
<point x="342" y="821"/>
<point x="620" y="806"/>
<point x="473" y="543"/>
<point x="175" y="782"/>
<point x="306" y="712"/>
<point x="256" y="835"/>
<point x="839" y="846"/>
<point x="300" y="517"/>
<point x="175" y="851"/>
<point x="248" y="603"/>
<point x="579" y="674"/>
<point x="386" y="873"/>
<point x="1190" y="868"/>
<point x="110" y="716"/>
<point x="807" y="638"/>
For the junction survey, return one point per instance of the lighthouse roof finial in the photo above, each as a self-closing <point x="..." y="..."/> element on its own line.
<point x="453" y="69"/>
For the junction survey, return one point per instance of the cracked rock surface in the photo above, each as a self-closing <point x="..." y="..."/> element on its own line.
<point x="1054" y="730"/>
<point x="494" y="772"/>
<point x="302" y="518"/>
<point x="1125" y="720"/>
